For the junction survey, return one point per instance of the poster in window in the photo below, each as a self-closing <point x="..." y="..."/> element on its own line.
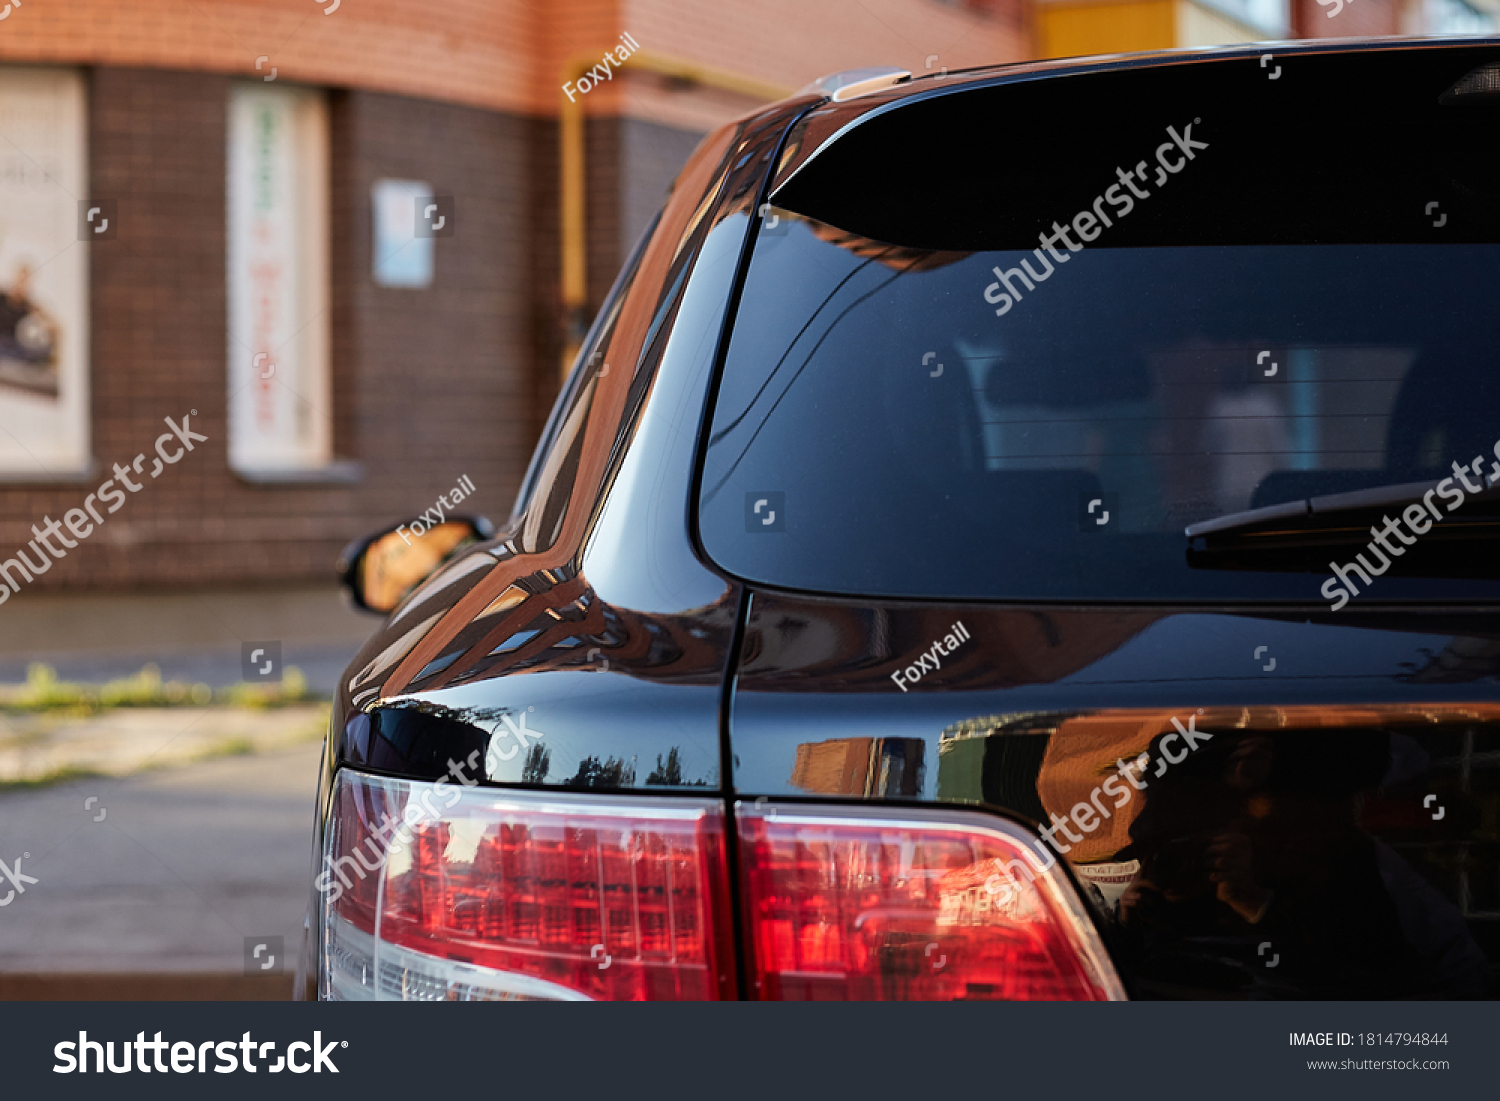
<point x="44" y="337"/>
<point x="279" y="416"/>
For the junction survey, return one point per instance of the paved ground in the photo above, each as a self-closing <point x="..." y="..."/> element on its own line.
<point x="186" y="864"/>
<point x="192" y="635"/>
<point x="188" y="860"/>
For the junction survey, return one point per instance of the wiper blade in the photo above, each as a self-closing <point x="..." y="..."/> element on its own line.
<point x="1295" y="535"/>
<point x="1314" y="511"/>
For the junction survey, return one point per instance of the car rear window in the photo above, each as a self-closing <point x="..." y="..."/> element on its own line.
<point x="1232" y="308"/>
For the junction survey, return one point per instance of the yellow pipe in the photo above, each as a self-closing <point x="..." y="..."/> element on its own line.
<point x="574" y="173"/>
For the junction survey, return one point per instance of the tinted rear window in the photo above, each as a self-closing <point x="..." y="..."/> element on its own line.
<point x="943" y="411"/>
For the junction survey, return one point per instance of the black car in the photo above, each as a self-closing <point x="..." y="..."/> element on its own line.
<point x="1018" y="534"/>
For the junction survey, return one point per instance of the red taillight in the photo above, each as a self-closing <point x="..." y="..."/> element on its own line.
<point x="439" y="892"/>
<point x="879" y="905"/>
<point x="490" y="893"/>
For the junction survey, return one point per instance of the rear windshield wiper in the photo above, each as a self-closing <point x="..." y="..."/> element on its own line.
<point x="1438" y="526"/>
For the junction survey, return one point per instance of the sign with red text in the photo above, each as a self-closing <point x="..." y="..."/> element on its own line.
<point x="279" y="392"/>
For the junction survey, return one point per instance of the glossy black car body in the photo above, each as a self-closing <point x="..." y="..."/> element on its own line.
<point x="598" y="613"/>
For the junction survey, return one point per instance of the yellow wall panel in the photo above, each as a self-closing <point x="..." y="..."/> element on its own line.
<point x="1072" y="30"/>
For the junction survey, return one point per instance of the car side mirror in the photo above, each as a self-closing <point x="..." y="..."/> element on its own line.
<point x="380" y="569"/>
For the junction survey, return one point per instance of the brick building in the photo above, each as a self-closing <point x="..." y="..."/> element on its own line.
<point x="1068" y="28"/>
<point x="264" y="167"/>
<point x="345" y="370"/>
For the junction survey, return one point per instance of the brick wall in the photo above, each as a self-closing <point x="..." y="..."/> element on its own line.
<point x="601" y="213"/>
<point x="509" y="55"/>
<point x="437" y="380"/>
<point x="472" y="51"/>
<point x="629" y="165"/>
<point x="157" y="318"/>
<point x="651" y="157"/>
<point x="428" y="384"/>
<point x="1356" y="19"/>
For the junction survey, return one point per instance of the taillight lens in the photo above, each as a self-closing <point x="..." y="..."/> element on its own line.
<point x="440" y="892"/>
<point x="873" y="904"/>
<point x="436" y="892"/>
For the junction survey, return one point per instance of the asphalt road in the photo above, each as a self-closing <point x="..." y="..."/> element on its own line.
<point x="184" y="865"/>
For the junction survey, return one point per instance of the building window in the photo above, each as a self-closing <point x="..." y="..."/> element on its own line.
<point x="404" y="212"/>
<point x="44" y="272"/>
<point x="1271" y="18"/>
<point x="280" y="420"/>
<point x="1455" y="17"/>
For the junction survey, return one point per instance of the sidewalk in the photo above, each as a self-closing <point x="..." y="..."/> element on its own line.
<point x="182" y="867"/>
<point x="153" y="841"/>
<point x="195" y="636"/>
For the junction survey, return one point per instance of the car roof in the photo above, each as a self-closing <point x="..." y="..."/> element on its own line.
<point x="852" y="97"/>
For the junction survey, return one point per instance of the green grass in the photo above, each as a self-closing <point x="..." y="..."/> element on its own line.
<point x="44" y="692"/>
<point x="56" y="776"/>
